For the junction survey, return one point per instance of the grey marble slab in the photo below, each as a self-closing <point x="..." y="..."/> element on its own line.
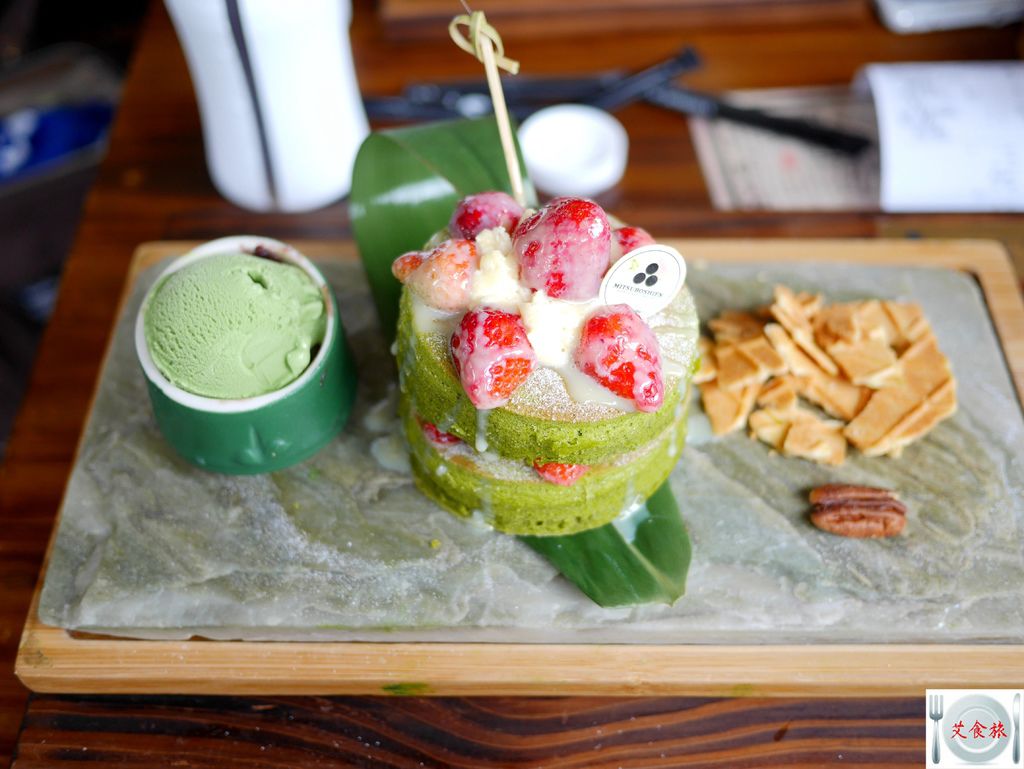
<point x="344" y="547"/>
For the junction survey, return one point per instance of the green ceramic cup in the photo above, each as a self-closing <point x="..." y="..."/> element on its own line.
<point x="245" y="436"/>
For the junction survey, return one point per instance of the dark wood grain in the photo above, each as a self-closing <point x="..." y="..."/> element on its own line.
<point x="482" y="733"/>
<point x="153" y="186"/>
<point x="532" y="18"/>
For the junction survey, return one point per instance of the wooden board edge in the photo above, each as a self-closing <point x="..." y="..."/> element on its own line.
<point x="894" y="669"/>
<point x="23" y="659"/>
<point x="51" y="661"/>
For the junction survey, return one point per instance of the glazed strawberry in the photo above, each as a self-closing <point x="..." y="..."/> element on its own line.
<point x="560" y="473"/>
<point x="436" y="436"/>
<point x="406" y="264"/>
<point x="564" y="248"/>
<point x="476" y="213"/>
<point x="446" y="275"/>
<point x="630" y="238"/>
<point x="619" y="350"/>
<point x="492" y="356"/>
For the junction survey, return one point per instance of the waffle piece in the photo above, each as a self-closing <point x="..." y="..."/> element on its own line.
<point x="779" y="394"/>
<point x="836" y="396"/>
<point x="836" y="323"/>
<point x="748" y="362"/>
<point x="897" y="415"/>
<point x="871" y="315"/>
<point x="869" y="362"/>
<point x="816" y="439"/>
<point x="760" y="351"/>
<point x="708" y="361"/>
<point x="796" y="432"/>
<point x="935" y="407"/>
<point x="735" y="326"/>
<point x="736" y="370"/>
<point x="873" y="365"/>
<point x="792" y="314"/>
<point x="908" y="322"/>
<point x="770" y="426"/>
<point x="728" y="409"/>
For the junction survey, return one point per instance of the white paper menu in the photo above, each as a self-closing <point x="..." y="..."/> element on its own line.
<point x="951" y="135"/>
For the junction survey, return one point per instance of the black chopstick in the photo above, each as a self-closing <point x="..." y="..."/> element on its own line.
<point x="536" y="89"/>
<point x="704" y="105"/>
<point x="635" y="87"/>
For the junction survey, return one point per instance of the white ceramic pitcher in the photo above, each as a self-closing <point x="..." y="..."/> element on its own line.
<point x="280" y="106"/>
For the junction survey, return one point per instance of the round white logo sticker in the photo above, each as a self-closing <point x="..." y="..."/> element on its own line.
<point x="647" y="279"/>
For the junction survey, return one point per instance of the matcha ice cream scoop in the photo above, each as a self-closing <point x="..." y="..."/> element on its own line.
<point x="234" y="325"/>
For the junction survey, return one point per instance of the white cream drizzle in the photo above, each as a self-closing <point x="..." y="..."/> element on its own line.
<point x="553" y="327"/>
<point x="391" y="453"/>
<point x="633" y="514"/>
<point x="430" y="320"/>
<point x="585" y="389"/>
<point x="480" y="442"/>
<point x="496" y="281"/>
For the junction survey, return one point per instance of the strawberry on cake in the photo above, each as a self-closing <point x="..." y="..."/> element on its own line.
<point x="527" y="400"/>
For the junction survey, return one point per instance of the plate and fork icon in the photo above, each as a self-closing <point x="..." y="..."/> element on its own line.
<point x="974" y="727"/>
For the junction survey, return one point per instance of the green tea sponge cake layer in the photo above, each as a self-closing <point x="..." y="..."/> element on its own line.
<point x="513" y="498"/>
<point x="541" y="420"/>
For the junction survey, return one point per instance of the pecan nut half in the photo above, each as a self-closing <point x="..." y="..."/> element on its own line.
<point x="857" y="511"/>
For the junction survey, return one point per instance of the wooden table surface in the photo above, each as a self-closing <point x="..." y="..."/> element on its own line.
<point x="153" y="186"/>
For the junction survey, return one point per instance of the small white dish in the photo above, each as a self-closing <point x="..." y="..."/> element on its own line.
<point x="574" y="149"/>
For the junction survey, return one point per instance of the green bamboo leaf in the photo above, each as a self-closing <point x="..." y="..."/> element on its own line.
<point x="643" y="560"/>
<point x="405" y="184"/>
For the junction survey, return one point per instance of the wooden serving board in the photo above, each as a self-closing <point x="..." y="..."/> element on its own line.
<point x="51" y="659"/>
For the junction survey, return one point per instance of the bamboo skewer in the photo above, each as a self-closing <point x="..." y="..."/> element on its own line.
<point x="485" y="44"/>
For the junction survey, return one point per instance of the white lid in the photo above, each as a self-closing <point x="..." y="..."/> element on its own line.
<point x="574" y="149"/>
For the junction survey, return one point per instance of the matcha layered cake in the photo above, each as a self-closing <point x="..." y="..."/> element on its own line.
<point x="529" y="398"/>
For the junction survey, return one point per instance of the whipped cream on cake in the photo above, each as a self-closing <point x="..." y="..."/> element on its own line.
<point x="554" y="325"/>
